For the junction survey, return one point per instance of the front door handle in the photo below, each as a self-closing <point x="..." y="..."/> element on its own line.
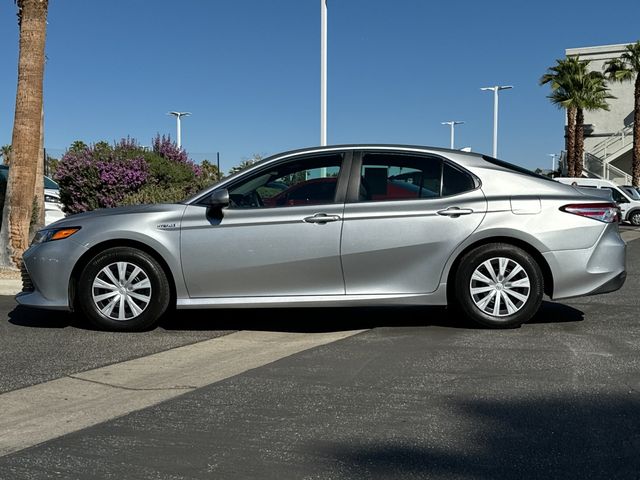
<point x="455" y="212"/>
<point x="321" y="218"/>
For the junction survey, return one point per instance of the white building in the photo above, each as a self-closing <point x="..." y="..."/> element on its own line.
<point x="608" y="134"/>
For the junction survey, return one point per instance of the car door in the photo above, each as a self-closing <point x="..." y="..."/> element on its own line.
<point x="405" y="214"/>
<point x="273" y="239"/>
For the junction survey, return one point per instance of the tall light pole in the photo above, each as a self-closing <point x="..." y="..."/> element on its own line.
<point x="178" y="116"/>
<point x="553" y="161"/>
<point x="452" y="124"/>
<point x="323" y="72"/>
<point x="495" y="90"/>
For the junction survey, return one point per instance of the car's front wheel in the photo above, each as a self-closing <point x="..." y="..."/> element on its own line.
<point x="634" y="218"/>
<point x="499" y="285"/>
<point x="123" y="289"/>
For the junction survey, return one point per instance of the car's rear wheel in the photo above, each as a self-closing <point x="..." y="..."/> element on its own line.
<point x="634" y="218"/>
<point x="499" y="285"/>
<point x="123" y="289"/>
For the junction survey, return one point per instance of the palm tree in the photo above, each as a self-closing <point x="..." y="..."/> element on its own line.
<point x="25" y="142"/>
<point x="560" y="77"/>
<point x="627" y="69"/>
<point x="592" y="93"/>
<point x="5" y="153"/>
<point x="576" y="89"/>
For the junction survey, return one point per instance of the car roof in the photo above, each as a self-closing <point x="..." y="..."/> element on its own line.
<point x="374" y="146"/>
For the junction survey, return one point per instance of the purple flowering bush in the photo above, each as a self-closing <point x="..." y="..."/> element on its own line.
<point x="165" y="148"/>
<point x="104" y="176"/>
<point x="100" y="176"/>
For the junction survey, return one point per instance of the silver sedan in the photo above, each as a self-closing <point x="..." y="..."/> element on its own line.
<point x="337" y="226"/>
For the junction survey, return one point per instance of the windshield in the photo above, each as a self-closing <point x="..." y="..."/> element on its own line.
<point x="48" y="183"/>
<point x="632" y="192"/>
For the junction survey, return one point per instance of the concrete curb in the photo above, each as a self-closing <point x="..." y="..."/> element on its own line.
<point x="10" y="286"/>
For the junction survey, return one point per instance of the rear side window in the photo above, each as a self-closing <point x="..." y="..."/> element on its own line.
<point x="391" y="177"/>
<point x="455" y="181"/>
<point x="388" y="177"/>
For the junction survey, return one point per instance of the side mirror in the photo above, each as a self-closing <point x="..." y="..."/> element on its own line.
<point x="218" y="199"/>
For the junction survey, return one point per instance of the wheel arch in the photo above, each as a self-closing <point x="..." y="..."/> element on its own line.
<point x="121" y="242"/>
<point x="631" y="212"/>
<point x="547" y="275"/>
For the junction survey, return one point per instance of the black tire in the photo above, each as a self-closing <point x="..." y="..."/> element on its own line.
<point x="634" y="218"/>
<point x="509" y="315"/>
<point x="94" y="276"/>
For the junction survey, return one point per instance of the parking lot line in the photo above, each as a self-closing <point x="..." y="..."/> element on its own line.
<point x="32" y="415"/>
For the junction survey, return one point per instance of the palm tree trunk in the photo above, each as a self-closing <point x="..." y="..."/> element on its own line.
<point x="16" y="216"/>
<point x="38" y="188"/>
<point x="570" y="143"/>
<point x="635" y="162"/>
<point x="578" y="156"/>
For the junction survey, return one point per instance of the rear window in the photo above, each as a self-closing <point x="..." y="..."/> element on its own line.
<point x="514" y="168"/>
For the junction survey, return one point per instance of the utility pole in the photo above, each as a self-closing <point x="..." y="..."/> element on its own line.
<point x="178" y="116"/>
<point x="323" y="72"/>
<point x="495" y="91"/>
<point x="452" y="124"/>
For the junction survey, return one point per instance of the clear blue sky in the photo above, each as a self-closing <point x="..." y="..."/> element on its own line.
<point x="248" y="70"/>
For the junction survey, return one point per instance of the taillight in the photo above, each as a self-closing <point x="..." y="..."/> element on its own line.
<point x="604" y="212"/>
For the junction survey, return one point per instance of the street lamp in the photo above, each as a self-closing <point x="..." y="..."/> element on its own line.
<point x="452" y="124"/>
<point x="323" y="72"/>
<point x="553" y="161"/>
<point x="495" y="90"/>
<point x="178" y="116"/>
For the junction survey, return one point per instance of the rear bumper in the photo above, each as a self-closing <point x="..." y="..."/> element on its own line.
<point x="612" y="285"/>
<point x="589" y="271"/>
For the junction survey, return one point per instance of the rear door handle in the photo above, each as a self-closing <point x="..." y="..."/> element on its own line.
<point x="321" y="218"/>
<point x="455" y="212"/>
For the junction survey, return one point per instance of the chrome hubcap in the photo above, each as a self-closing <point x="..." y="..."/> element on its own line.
<point x="500" y="287"/>
<point x="121" y="291"/>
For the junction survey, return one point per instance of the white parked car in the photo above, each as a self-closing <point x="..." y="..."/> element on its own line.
<point x="629" y="206"/>
<point x="52" y="206"/>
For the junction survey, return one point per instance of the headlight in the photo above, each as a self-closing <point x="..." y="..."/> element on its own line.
<point x="51" y="199"/>
<point x="51" y="234"/>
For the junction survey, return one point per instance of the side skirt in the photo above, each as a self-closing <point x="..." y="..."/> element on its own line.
<point x="439" y="297"/>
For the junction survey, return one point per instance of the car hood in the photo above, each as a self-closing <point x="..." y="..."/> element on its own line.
<point x="80" y="218"/>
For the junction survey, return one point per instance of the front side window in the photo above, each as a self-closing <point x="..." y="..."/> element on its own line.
<point x="304" y="181"/>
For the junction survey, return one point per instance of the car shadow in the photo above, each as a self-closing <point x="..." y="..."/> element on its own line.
<point x="296" y="319"/>
<point x="342" y="319"/>
<point x="37" y="318"/>
<point x="554" y="312"/>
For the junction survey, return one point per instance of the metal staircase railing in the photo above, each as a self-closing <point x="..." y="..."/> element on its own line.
<point x="613" y="144"/>
<point x="602" y="169"/>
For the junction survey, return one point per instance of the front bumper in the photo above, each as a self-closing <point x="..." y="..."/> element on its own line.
<point x="47" y="269"/>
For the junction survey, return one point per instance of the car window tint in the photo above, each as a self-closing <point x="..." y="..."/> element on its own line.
<point x="304" y="181"/>
<point x="388" y="177"/>
<point x="455" y="181"/>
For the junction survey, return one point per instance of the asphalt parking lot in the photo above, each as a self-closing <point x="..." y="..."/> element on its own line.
<point x="418" y="394"/>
